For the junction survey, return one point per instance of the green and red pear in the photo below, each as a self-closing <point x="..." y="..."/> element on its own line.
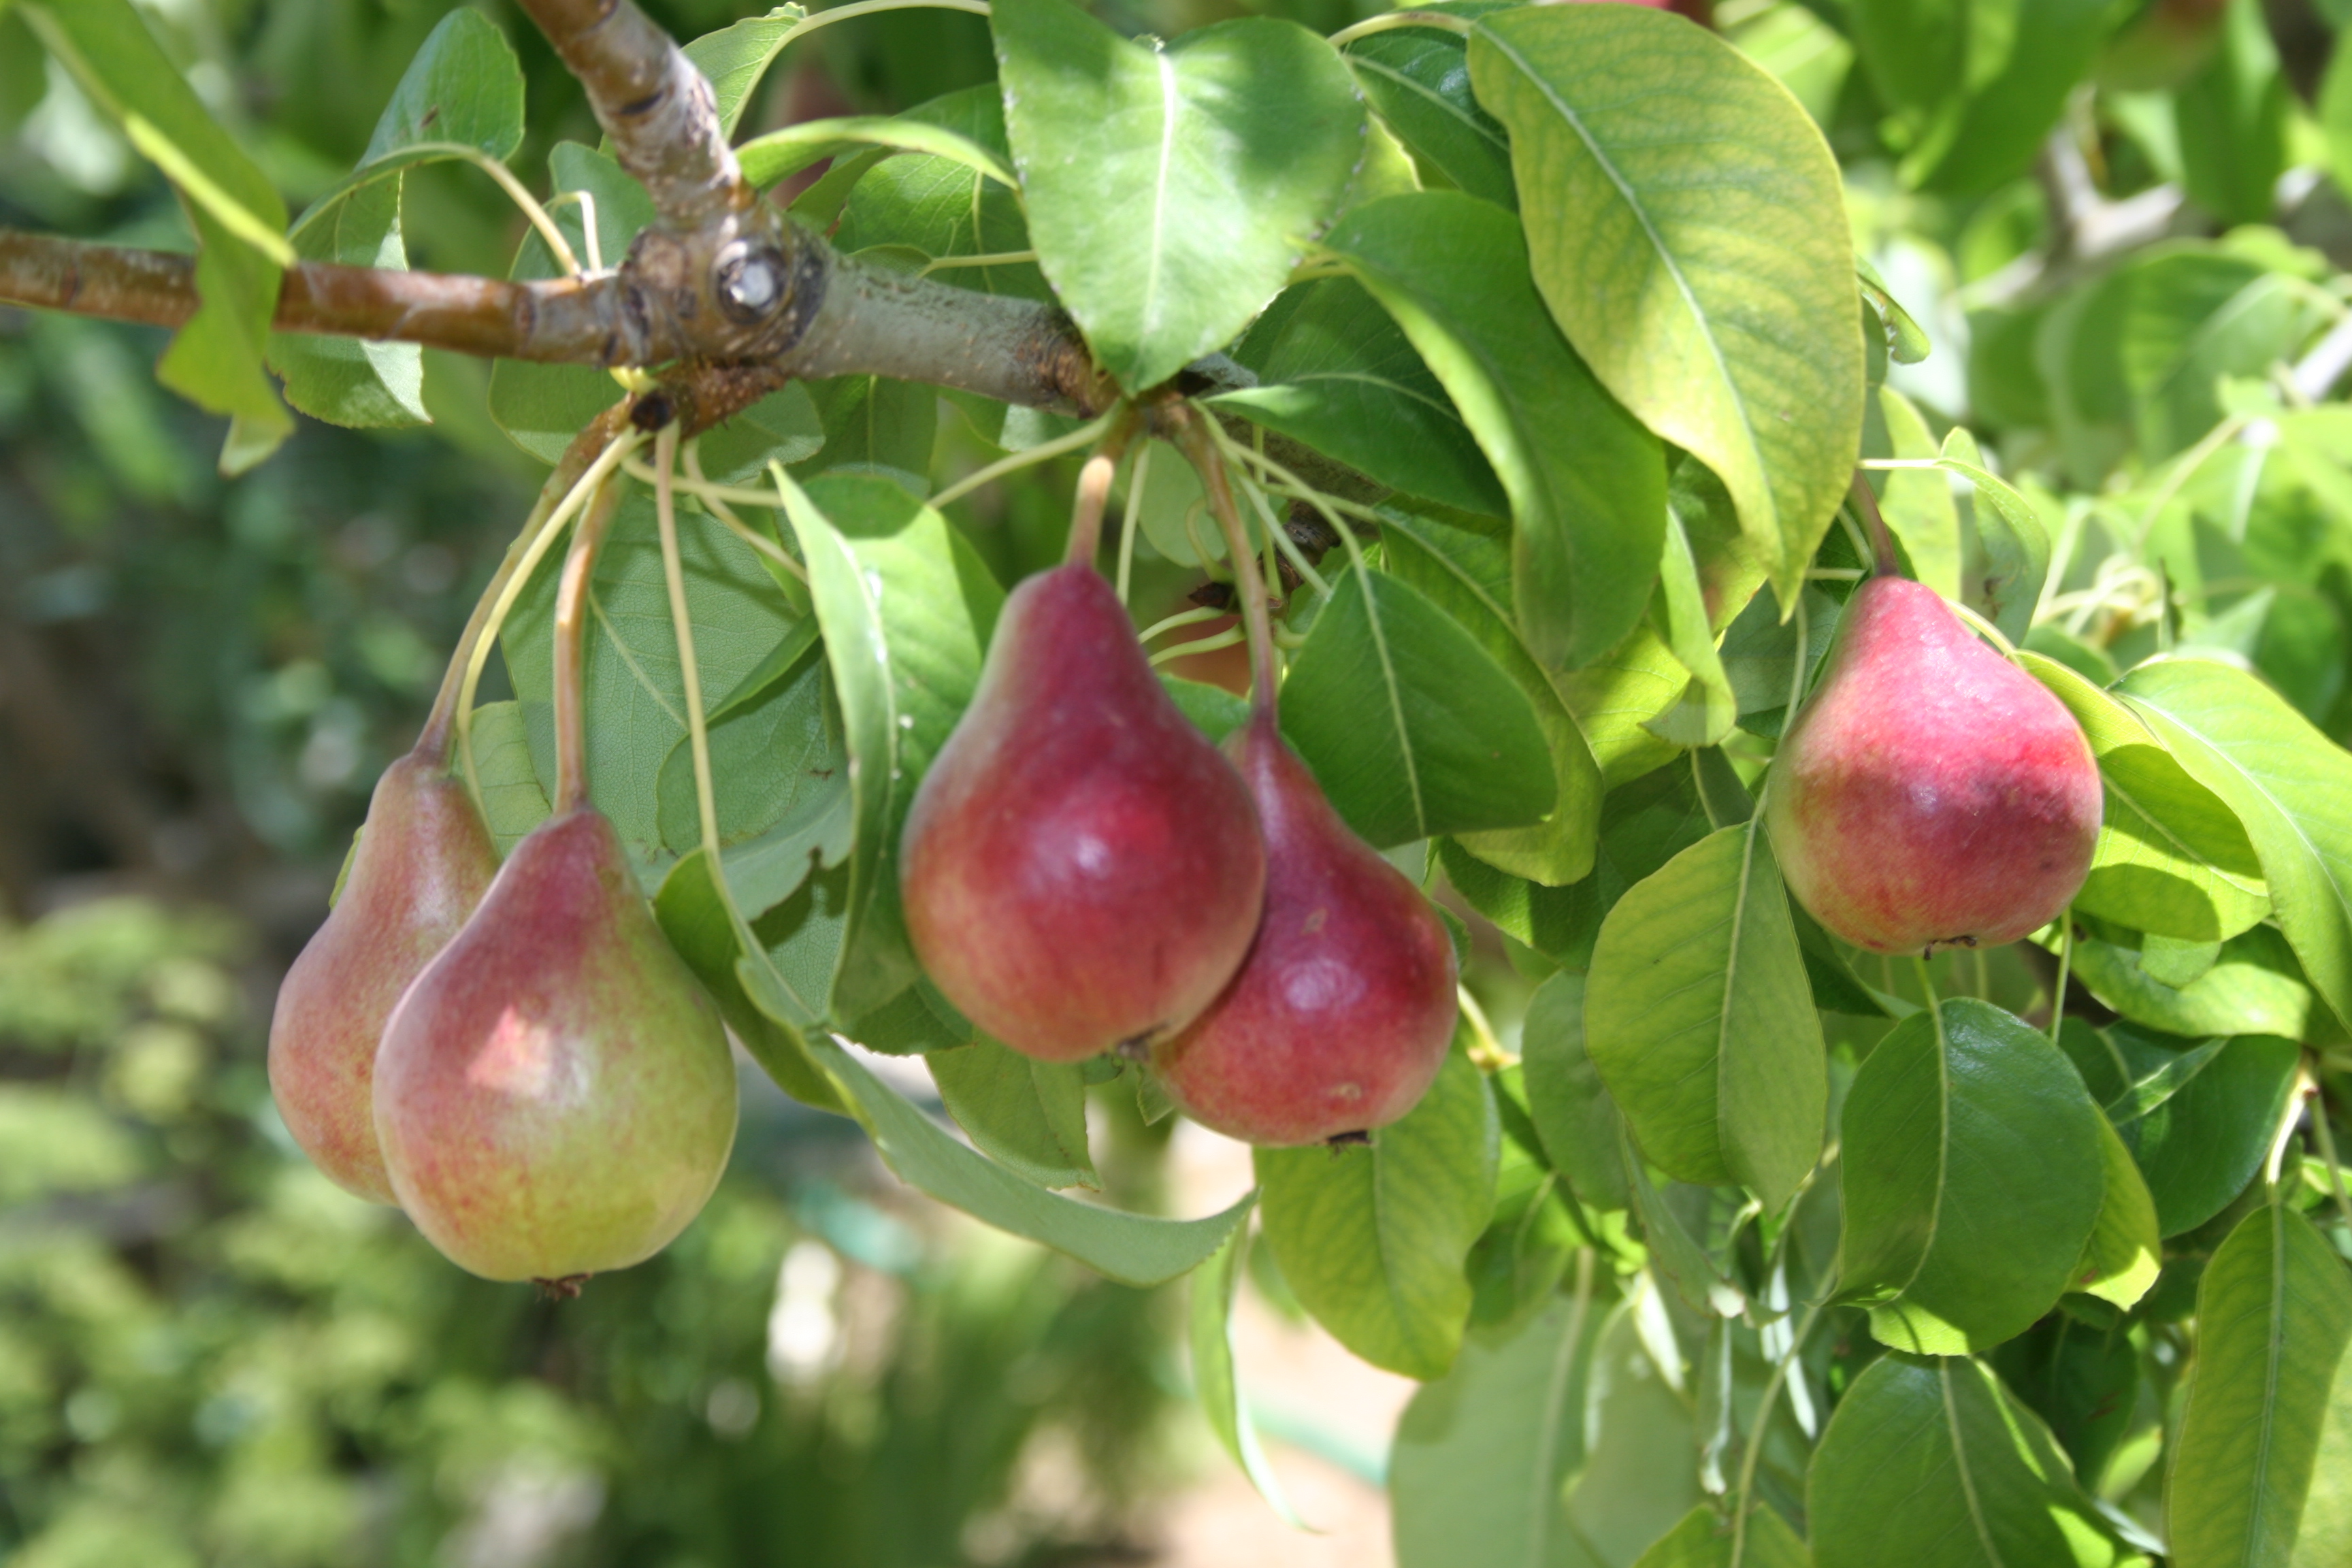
<point x="1930" y="791"/>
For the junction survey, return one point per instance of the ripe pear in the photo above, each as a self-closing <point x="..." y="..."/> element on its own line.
<point x="554" y="1095"/>
<point x="423" y="861"/>
<point x="1340" y="1017"/>
<point x="1081" y="867"/>
<point x="1930" y="791"/>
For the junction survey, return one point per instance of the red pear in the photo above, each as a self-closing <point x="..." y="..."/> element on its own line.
<point x="1081" y="868"/>
<point x="1340" y="1017"/>
<point x="1930" y="791"/>
<point x="554" y="1095"/>
<point x="423" y="863"/>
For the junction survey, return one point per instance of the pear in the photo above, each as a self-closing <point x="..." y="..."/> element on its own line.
<point x="423" y="861"/>
<point x="1930" y="791"/>
<point x="1081" y="868"/>
<point x="554" y="1095"/>
<point x="1340" y="1017"/>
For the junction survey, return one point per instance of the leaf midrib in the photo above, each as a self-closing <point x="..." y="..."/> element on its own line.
<point x="1445" y="104"/>
<point x="1396" y="697"/>
<point x="1960" y="1463"/>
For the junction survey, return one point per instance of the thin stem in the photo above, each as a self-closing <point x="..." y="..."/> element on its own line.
<point x="570" y="650"/>
<point x="2182" y="469"/>
<point x="681" y="619"/>
<point x="1192" y="438"/>
<point x="1278" y="537"/>
<point x="518" y="193"/>
<point x="1094" y="493"/>
<point x="2066" y="964"/>
<point x="1991" y="633"/>
<point x="1181" y="618"/>
<point x="2327" y="1150"/>
<point x="826" y="18"/>
<point x="1927" y="985"/>
<point x="1295" y="488"/>
<point x="1346" y="36"/>
<point x="1217" y="644"/>
<point x="1043" y="452"/>
<point x="1131" y="519"/>
<point x="1853" y="534"/>
<point x="993" y="258"/>
<point x="511" y="589"/>
<point x="702" y="490"/>
<point x="588" y="237"/>
<point x="1748" y="1461"/>
<point x="1884" y="558"/>
<point x="1488" y="1053"/>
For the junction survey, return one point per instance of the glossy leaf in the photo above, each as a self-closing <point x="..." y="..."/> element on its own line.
<point x="1587" y="484"/>
<point x="1933" y="1464"/>
<point x="1409" y="725"/>
<point x="1022" y="1113"/>
<point x="1216" y="1383"/>
<point x="2203" y="1144"/>
<point x="1972" y="1179"/>
<point x="769" y="158"/>
<point x="1336" y="373"/>
<point x="1462" y="564"/>
<point x="1417" y="80"/>
<point x="2287" y="783"/>
<point x="2269" y="1405"/>
<point x="1131" y="155"/>
<point x="1372" y="1238"/>
<point x="2253" y="987"/>
<point x="1698" y="1015"/>
<point x="735" y="57"/>
<point x="1135" y="1249"/>
<point x="2125" y="1251"/>
<point x="1687" y="225"/>
<point x="945" y="208"/>
<point x="2083" y="1381"/>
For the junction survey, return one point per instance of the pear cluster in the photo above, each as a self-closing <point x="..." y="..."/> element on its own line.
<point x="514" y="1054"/>
<point x="1083" y="872"/>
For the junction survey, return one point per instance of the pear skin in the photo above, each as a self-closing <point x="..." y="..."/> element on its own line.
<point x="1081" y="867"/>
<point x="1342" y="1015"/>
<point x="555" y="1095"/>
<point x="1930" y="791"/>
<point x="423" y="861"/>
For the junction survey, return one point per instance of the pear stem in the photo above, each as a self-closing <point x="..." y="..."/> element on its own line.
<point x="1249" y="587"/>
<point x="1131" y="523"/>
<point x="1093" y="494"/>
<point x="570" y="650"/>
<point x="1885" y="560"/>
<point x="689" y="675"/>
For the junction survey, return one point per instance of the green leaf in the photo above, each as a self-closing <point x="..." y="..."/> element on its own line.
<point x="513" y="800"/>
<point x="780" y="153"/>
<point x="1703" y="715"/>
<point x="1907" y="342"/>
<point x="2287" y="783"/>
<point x="945" y="208"/>
<point x="1130" y="156"/>
<point x="1417" y="80"/>
<point x="700" y="917"/>
<point x="1686" y="224"/>
<point x="1026" y="1114"/>
<point x="1704" y="1540"/>
<point x="1134" y="1250"/>
<point x="2126" y="1250"/>
<point x="1573" y="1115"/>
<point x="2084" y="1381"/>
<point x="2199" y="1148"/>
<point x="1484" y="1456"/>
<point x="907" y="608"/>
<point x="2269" y="1403"/>
<point x="2232" y="118"/>
<point x="734" y="58"/>
<point x="216" y="358"/>
<point x="1372" y="1238"/>
<point x="1917" y="502"/>
<point x="1587" y="484"/>
<point x="2171" y="857"/>
<point x="1933" y="1464"/>
<point x="2145" y="1094"/>
<point x="1215" y="1381"/>
<point x="1698" y="1015"/>
<point x="1410" y="727"/>
<point x="2253" y="987"/>
<point x="1462" y="564"/>
<point x="1675" y="1254"/>
<point x="1972" y="1179"/>
<point x="1336" y="373"/>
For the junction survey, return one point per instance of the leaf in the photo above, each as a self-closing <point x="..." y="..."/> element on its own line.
<point x="1571" y="1107"/>
<point x="945" y="208"/>
<point x="1933" y="1464"/>
<point x="1336" y="373"/>
<point x="1464" y="566"/>
<point x="1917" y="502"/>
<point x="1971" y="1176"/>
<point x="1698" y="1015"/>
<point x="1615" y="697"/>
<point x="1215" y="1381"/>
<point x="1484" y="1456"/>
<point x="1372" y="1238"/>
<point x="2126" y="1250"/>
<point x="1134" y="1250"/>
<point x="2270" y="1396"/>
<point x="2253" y="987"/>
<point x="1417" y="80"/>
<point x="2146" y="1093"/>
<point x="768" y="159"/>
<point x="2199" y="1148"/>
<point x="513" y="800"/>
<point x="1675" y="1254"/>
<point x="2171" y="858"/>
<point x="1907" y="342"/>
<point x="216" y="357"/>
<point x="1587" y="484"/>
<point x="2232" y="118"/>
<point x="1686" y="224"/>
<point x="700" y="919"/>
<point x="907" y="608"/>
<point x="734" y="58"/>
<point x="1026" y="1114"/>
<point x="2084" y="1381"/>
<point x="1409" y="726"/>
<point x="1131" y="155"/>
<point x="1704" y="1540"/>
<point x="2287" y="783"/>
<point x="1703" y="715"/>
